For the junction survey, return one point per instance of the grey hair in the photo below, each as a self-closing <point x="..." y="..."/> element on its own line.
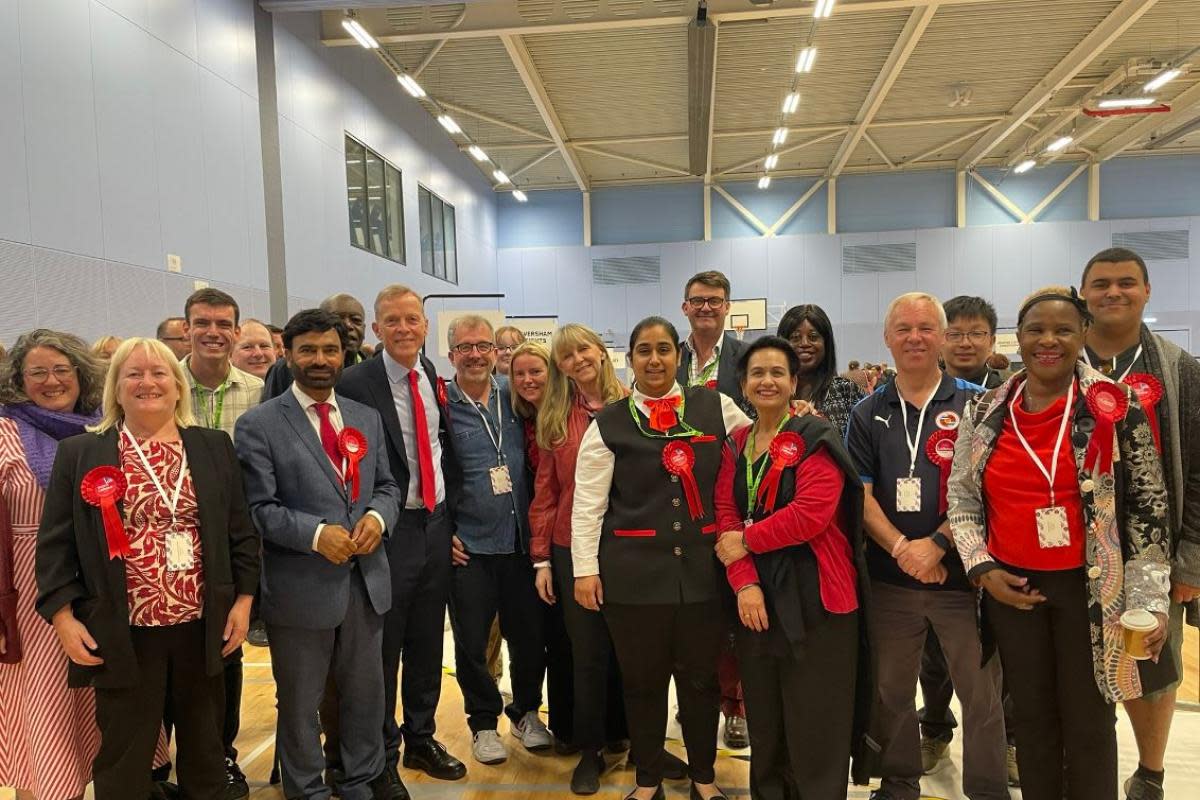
<point x="915" y="297"/>
<point x="89" y="369"/>
<point x="390" y="291"/>
<point x="469" y="321"/>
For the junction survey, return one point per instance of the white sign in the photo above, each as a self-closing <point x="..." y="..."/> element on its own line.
<point x="1006" y="343"/>
<point x="444" y="318"/>
<point x="536" y="329"/>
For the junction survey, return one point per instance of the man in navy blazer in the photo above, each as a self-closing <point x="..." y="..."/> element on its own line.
<point x="326" y="584"/>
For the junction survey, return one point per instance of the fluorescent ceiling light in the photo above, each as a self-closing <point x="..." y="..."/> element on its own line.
<point x="410" y="85"/>
<point x="780" y="136"/>
<point x="477" y="153"/>
<point x="447" y="122"/>
<point x="1125" y="102"/>
<point x="500" y="176"/>
<point x="519" y="196"/>
<point x="359" y="33"/>
<point x="1059" y="144"/>
<point x="823" y="9"/>
<point x="771" y="161"/>
<point x="764" y="181"/>
<point x="1162" y="79"/>
<point x="805" y="62"/>
<point x="1025" y="166"/>
<point x="791" y="102"/>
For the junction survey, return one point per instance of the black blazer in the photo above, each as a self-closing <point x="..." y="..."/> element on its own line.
<point x="368" y="383"/>
<point x="73" y="566"/>
<point x="727" y="382"/>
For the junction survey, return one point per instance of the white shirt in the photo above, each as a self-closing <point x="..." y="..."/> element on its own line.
<point x="335" y="419"/>
<point x="594" y="467"/>
<point x="696" y="369"/>
<point x="397" y="375"/>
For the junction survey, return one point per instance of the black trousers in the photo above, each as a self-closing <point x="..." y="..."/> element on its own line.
<point x="1065" y="727"/>
<point x="484" y="587"/>
<point x="598" y="713"/>
<point x="170" y="659"/>
<point x="655" y="643"/>
<point x="231" y="711"/>
<point x="560" y="679"/>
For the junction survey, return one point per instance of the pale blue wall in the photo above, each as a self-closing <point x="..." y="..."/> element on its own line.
<point x="1027" y="190"/>
<point x="547" y="219"/>
<point x="768" y="205"/>
<point x="1163" y="186"/>
<point x="895" y="202"/>
<point x="672" y="212"/>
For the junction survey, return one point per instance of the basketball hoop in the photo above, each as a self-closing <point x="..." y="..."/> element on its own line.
<point x="739" y="323"/>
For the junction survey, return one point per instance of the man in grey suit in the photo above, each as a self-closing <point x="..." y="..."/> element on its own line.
<point x="325" y="581"/>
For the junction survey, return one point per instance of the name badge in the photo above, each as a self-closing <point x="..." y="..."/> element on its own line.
<point x="501" y="480"/>
<point x="1052" y="527"/>
<point x="908" y="494"/>
<point x="180" y="556"/>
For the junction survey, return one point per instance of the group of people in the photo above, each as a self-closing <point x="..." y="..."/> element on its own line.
<point x="740" y="519"/>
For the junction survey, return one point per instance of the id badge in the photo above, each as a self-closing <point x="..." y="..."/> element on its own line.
<point x="908" y="494"/>
<point x="1052" y="527"/>
<point x="501" y="480"/>
<point x="180" y="557"/>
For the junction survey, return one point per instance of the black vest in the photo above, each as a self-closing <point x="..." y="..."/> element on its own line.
<point x="651" y="550"/>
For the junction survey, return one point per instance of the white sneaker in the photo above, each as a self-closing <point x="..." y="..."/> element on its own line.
<point x="532" y="733"/>
<point x="487" y="748"/>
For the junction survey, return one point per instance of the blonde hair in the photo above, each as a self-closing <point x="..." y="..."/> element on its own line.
<point x="503" y="329"/>
<point x="560" y="390"/>
<point x="523" y="407"/>
<point x="915" y="297"/>
<point x="113" y="414"/>
<point x="393" y="290"/>
<point x="103" y="343"/>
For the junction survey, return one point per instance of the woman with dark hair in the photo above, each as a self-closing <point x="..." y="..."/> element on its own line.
<point x="789" y="508"/>
<point x="808" y="330"/>
<point x="642" y="532"/>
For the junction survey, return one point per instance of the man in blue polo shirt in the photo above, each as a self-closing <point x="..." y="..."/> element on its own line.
<point x="916" y="582"/>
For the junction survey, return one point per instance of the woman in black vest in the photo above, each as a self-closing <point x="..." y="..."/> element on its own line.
<point x="643" y="531"/>
<point x="789" y="507"/>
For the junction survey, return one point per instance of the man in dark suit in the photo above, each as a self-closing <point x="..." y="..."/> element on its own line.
<point x="326" y="584"/>
<point x="406" y="391"/>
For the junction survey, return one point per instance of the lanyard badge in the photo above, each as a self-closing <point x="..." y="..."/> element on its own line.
<point x="908" y="490"/>
<point x="178" y="545"/>
<point x="1053" y="529"/>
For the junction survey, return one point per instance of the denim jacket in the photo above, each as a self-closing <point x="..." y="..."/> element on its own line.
<point x="487" y="523"/>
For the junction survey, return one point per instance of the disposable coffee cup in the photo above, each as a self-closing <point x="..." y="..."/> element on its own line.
<point x="1137" y="623"/>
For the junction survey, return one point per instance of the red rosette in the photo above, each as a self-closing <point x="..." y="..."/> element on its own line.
<point x="679" y="458"/>
<point x="103" y="487"/>
<point x="939" y="449"/>
<point x="353" y="446"/>
<point x="1108" y="404"/>
<point x="786" y="450"/>
<point x="1149" y="391"/>
<point x="442" y="399"/>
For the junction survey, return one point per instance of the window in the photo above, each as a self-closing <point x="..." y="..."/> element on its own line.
<point x="439" y="239"/>
<point x="376" y="202"/>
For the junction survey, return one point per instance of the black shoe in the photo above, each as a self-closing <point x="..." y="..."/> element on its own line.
<point x="617" y="746"/>
<point x="880" y="794"/>
<point x="564" y="747"/>
<point x="164" y="790"/>
<point x="430" y="757"/>
<point x="235" y="782"/>
<point x="694" y="794"/>
<point x="659" y="794"/>
<point x="586" y="777"/>
<point x="387" y="785"/>
<point x="257" y="635"/>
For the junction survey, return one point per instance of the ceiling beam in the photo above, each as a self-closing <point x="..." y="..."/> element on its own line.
<point x="531" y="164"/>
<point x="784" y="152"/>
<point x="945" y="145"/>
<point x="429" y="57"/>
<point x="1092" y="45"/>
<point x="905" y="44"/>
<point x="875" y="146"/>
<point x="632" y="160"/>
<point x="470" y="112"/>
<point x="521" y="59"/>
<point x="1182" y="108"/>
<point x="702" y="87"/>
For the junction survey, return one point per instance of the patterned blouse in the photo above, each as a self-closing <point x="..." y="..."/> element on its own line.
<point x="158" y="596"/>
<point x="839" y="401"/>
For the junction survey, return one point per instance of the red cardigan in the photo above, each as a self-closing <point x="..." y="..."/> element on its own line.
<point x="554" y="489"/>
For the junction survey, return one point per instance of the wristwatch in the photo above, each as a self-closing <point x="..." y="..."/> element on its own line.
<point x="941" y="541"/>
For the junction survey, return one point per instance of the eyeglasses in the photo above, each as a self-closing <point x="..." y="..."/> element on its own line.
<point x="811" y="338"/>
<point x="465" y="348"/>
<point x="504" y="349"/>
<point x="172" y="338"/>
<point x="712" y="302"/>
<point x="38" y="375"/>
<point x="975" y="337"/>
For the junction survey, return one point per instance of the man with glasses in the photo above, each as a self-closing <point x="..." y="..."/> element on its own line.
<point x="490" y="508"/>
<point x="970" y="337"/>
<point x="170" y="332"/>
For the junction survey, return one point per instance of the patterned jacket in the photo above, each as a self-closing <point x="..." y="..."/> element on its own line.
<point x="1125" y="514"/>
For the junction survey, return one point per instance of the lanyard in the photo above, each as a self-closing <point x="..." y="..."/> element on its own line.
<point x="687" y="432"/>
<point x="754" y="477"/>
<point x="1136" y="355"/>
<point x="171" y="502"/>
<point x="218" y="397"/>
<point x="497" y="438"/>
<point x="702" y="378"/>
<point x="1062" y="431"/>
<point x="913" y="444"/>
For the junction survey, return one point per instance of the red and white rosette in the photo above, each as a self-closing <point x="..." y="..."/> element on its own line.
<point x="1108" y="404"/>
<point x="679" y="458"/>
<point x="353" y="446"/>
<point x="786" y="450"/>
<point x="103" y="487"/>
<point x="939" y="449"/>
<point x="1149" y="391"/>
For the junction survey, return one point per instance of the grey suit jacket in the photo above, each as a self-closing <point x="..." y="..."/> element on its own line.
<point x="291" y="488"/>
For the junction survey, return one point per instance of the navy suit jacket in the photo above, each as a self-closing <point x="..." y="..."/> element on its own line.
<point x="291" y="488"/>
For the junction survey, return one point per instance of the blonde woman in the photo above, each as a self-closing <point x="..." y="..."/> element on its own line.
<point x="508" y="339"/>
<point x="146" y="566"/>
<point x="104" y="347"/>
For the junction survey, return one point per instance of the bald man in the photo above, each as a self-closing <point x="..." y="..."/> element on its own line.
<point x="347" y="307"/>
<point x="254" y="352"/>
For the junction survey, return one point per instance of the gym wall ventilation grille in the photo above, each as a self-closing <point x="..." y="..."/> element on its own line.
<point x="625" y="270"/>
<point x="864" y="259"/>
<point x="1155" y="245"/>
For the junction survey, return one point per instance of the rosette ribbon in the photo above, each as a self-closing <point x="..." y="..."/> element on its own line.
<point x="353" y="446"/>
<point x="1149" y="392"/>
<point x="679" y="458"/>
<point x="442" y="399"/>
<point x="1108" y="404"/>
<point x="939" y="449"/>
<point x="103" y="487"/>
<point x="787" y="448"/>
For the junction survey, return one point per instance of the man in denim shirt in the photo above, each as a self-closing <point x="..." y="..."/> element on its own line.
<point x="490" y="508"/>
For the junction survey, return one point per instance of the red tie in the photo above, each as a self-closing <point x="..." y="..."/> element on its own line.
<point x="662" y="413"/>
<point x="329" y="436"/>
<point x="424" y="451"/>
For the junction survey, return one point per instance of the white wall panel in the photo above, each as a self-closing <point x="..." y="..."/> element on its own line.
<point x="224" y="178"/>
<point x="14" y="180"/>
<point x="717" y="254"/>
<point x="1085" y="239"/>
<point x="1011" y="265"/>
<point x="174" y="22"/>
<point x="785" y="272"/>
<point x="20" y="292"/>
<point x="136" y="299"/>
<point x="574" y="274"/>
<point x="136" y="11"/>
<point x="641" y="301"/>
<point x="609" y="314"/>
<point x="509" y="276"/>
<point x="860" y="299"/>
<point x="538" y="270"/>
<point x="677" y="264"/>
<point x="58" y="276"/>
<point x="256" y="218"/>
<point x="889" y="286"/>
<point x="302" y="206"/>
<point x="1050" y="261"/>
<point x="935" y="260"/>
<point x="1169" y="286"/>
<point x="225" y="35"/>
<point x="748" y="273"/>
<point x="972" y="263"/>
<point x="823" y="273"/>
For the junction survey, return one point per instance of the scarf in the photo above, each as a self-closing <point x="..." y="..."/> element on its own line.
<point x="41" y="431"/>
